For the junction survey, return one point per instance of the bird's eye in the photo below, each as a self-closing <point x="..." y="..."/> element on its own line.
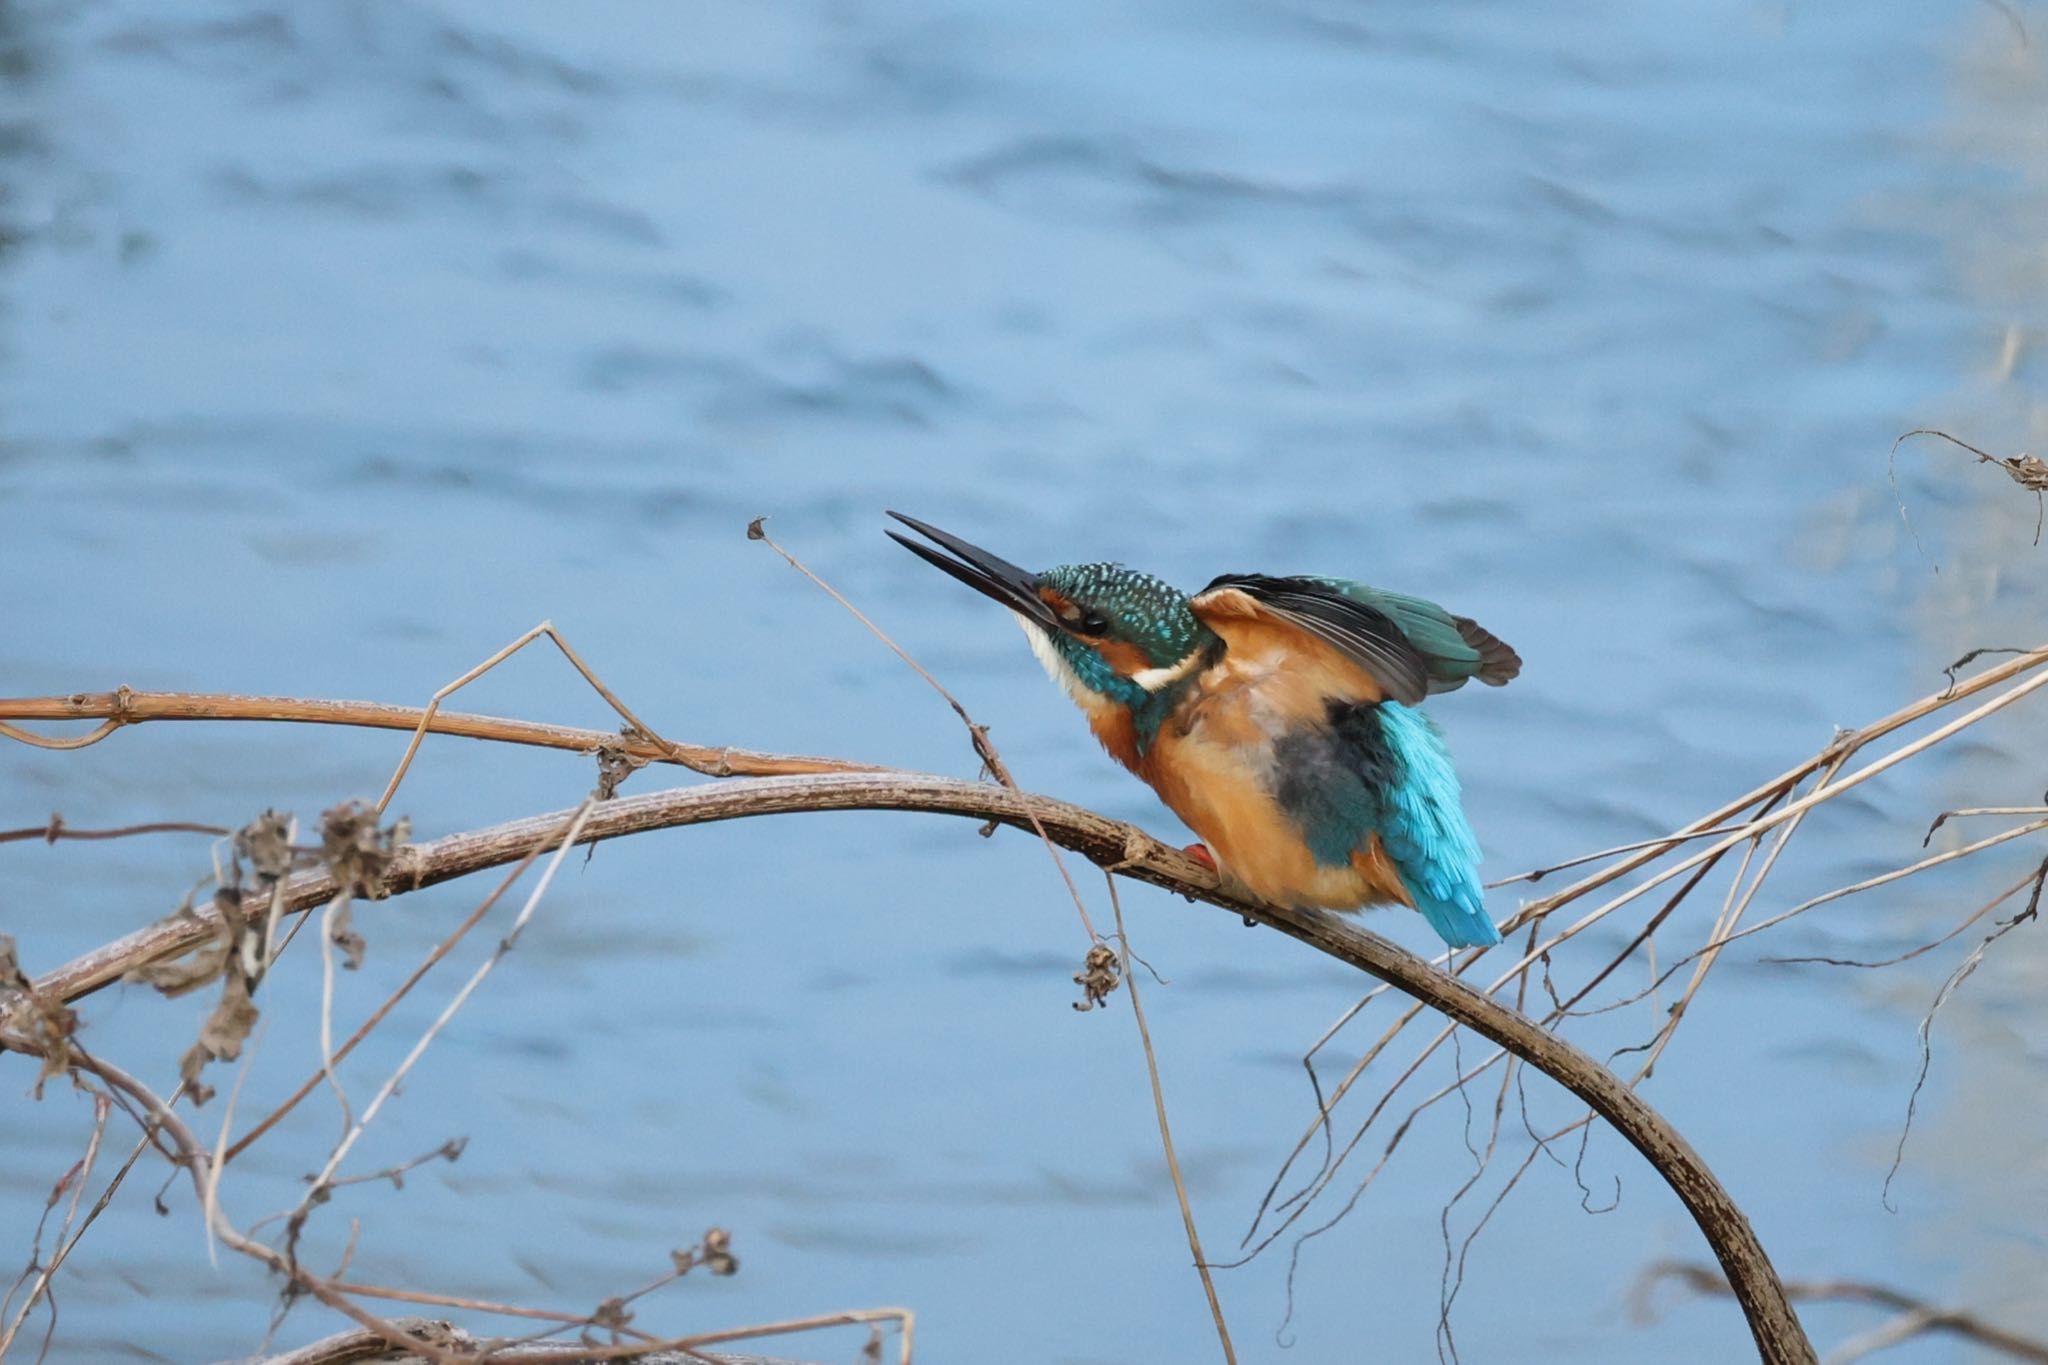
<point x="1094" y="623"/>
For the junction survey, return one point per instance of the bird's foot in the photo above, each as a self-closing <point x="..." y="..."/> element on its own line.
<point x="1201" y="854"/>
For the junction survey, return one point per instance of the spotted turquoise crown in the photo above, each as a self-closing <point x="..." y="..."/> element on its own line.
<point x="1134" y="608"/>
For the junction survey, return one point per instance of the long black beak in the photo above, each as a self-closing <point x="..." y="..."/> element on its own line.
<point x="979" y="570"/>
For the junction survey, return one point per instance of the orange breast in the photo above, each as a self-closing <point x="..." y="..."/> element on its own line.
<point x="1213" y="766"/>
<point x="1113" y="726"/>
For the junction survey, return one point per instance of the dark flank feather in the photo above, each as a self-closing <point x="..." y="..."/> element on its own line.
<point x="1381" y="770"/>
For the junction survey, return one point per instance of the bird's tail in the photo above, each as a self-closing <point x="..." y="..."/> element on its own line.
<point x="1425" y="832"/>
<point x="1459" y="917"/>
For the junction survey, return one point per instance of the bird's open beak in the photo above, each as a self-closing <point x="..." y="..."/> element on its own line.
<point x="980" y="570"/>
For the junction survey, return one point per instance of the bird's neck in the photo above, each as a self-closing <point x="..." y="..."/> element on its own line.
<point x="1125" y="711"/>
<point x="1128" y="714"/>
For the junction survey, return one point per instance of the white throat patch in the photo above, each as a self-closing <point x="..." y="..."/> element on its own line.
<point x="1062" y="672"/>
<point x="1056" y="666"/>
<point x="1152" y="679"/>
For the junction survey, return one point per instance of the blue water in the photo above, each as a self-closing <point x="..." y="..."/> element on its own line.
<point x="340" y="344"/>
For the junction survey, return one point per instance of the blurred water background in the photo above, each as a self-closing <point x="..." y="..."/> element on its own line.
<point x="341" y="343"/>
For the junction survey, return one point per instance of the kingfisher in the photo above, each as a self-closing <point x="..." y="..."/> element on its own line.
<point x="1276" y="716"/>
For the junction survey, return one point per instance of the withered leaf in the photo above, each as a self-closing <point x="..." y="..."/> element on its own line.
<point x="175" y="976"/>
<point x="11" y="975"/>
<point x="220" y="1037"/>
<point x="178" y="975"/>
<point x="266" y="842"/>
<point x="1099" y="975"/>
<point x="2028" y="472"/>
<point x="614" y="765"/>
<point x="718" y="1257"/>
<point x="227" y="1028"/>
<point x="47" y="1022"/>
<point x="611" y="1316"/>
<point x="189" y="1066"/>
<point x="51" y="1026"/>
<point x="356" y="851"/>
<point x="343" y="934"/>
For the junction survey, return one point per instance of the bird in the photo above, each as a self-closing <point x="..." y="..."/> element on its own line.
<point x="1277" y="716"/>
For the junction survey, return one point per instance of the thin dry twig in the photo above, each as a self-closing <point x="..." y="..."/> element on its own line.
<point x="571" y="826"/>
<point x="2023" y="469"/>
<point x="74" y="1180"/>
<point x="1792" y="810"/>
<point x="1451" y="1279"/>
<point x="1296" y="1205"/>
<point x="404" y="988"/>
<point x="1957" y="691"/>
<point x="1180" y="1189"/>
<point x="1929" y="1318"/>
<point x="977" y="733"/>
<point x="124" y="707"/>
<point x="1962" y="973"/>
<point x="205" y="1166"/>
<point x="1918" y="950"/>
<point x="1773" y="793"/>
<point x="56" y="829"/>
<point x="634" y="725"/>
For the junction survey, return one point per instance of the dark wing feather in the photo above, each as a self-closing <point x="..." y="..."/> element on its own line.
<point x="1455" y="649"/>
<point x="1363" y="634"/>
<point x="1499" y="665"/>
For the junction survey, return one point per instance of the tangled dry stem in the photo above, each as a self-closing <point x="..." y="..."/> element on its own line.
<point x="797" y="783"/>
<point x="1913" y="1316"/>
<point x="1774" y="1325"/>
<point x="1774" y="809"/>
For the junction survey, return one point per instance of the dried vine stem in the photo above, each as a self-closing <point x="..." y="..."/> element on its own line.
<point x="203" y="1168"/>
<point x="126" y="707"/>
<point x="977" y="733"/>
<point x="1766" y="807"/>
<point x="1779" y="1337"/>
<point x="1712" y="822"/>
<point x="1773" y="812"/>
<point x="1180" y="1189"/>
<point x="1916" y="1317"/>
<point x="361" y="1347"/>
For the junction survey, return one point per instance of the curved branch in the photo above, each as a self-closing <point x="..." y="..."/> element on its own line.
<point x="1779" y="1337"/>
<point x="127" y="707"/>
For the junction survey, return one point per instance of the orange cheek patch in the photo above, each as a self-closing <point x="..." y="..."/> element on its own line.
<point x="1060" y="605"/>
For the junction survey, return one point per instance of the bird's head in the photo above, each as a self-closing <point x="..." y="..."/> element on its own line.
<point x="1101" y="630"/>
